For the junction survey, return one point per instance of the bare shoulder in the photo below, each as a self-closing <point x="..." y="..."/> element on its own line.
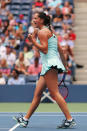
<point x="44" y="33"/>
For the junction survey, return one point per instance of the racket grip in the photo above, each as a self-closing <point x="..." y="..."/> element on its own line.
<point x="64" y="76"/>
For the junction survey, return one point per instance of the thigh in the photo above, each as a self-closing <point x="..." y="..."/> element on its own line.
<point x="51" y="78"/>
<point x="40" y="86"/>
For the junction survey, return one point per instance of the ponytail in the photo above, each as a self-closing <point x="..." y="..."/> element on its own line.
<point x="46" y="18"/>
<point x="48" y="22"/>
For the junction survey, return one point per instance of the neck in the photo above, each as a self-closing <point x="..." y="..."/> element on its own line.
<point x="42" y="26"/>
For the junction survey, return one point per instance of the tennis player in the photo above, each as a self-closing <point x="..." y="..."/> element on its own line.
<point x="47" y="44"/>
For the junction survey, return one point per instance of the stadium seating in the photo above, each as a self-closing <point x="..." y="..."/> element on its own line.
<point x="31" y="78"/>
<point x="3" y="17"/>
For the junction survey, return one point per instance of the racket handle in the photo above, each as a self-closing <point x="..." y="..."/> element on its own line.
<point x="64" y="76"/>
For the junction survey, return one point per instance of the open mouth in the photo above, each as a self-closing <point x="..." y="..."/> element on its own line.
<point x="35" y="23"/>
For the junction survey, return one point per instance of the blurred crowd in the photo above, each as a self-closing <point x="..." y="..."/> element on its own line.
<point x="19" y="59"/>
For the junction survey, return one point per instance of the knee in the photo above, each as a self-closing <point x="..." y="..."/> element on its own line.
<point x="37" y="95"/>
<point x="55" y="95"/>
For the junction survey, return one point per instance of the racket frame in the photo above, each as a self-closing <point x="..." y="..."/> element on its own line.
<point x="64" y="85"/>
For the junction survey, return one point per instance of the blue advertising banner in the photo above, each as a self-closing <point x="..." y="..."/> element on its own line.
<point x="24" y="93"/>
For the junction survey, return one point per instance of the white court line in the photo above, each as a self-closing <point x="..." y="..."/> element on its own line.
<point x="37" y="114"/>
<point x="45" y="115"/>
<point x="14" y="127"/>
<point x="40" y="112"/>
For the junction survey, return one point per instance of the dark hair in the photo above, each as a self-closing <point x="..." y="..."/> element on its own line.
<point x="17" y="72"/>
<point x="36" y="58"/>
<point x="46" y="18"/>
<point x="26" y="46"/>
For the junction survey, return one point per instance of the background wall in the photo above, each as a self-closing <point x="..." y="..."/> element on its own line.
<point x="24" y="93"/>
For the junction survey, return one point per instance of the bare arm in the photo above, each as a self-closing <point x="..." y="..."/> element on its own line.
<point x="43" y="37"/>
<point x="62" y="56"/>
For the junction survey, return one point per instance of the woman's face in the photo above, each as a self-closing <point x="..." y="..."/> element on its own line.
<point x="37" y="21"/>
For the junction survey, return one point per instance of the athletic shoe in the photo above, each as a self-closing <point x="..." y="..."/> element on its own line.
<point x="67" y="124"/>
<point x="21" y="121"/>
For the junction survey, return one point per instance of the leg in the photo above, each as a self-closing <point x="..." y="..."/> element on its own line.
<point x="37" y="96"/>
<point x="52" y="84"/>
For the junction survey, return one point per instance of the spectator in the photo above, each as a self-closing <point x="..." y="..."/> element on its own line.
<point x="36" y="54"/>
<point x="35" y="69"/>
<point x="69" y="58"/>
<point x="7" y="1"/>
<point x="2" y="50"/>
<point x="6" y="37"/>
<point x="38" y="3"/>
<point x="69" y="43"/>
<point x="65" y="28"/>
<point x="67" y="9"/>
<point x="4" y="67"/>
<point x="28" y="54"/>
<point x="15" y="78"/>
<point x="21" y="19"/>
<point x="10" y="55"/>
<point x="2" y="79"/>
<point x="49" y="1"/>
<point x="71" y="33"/>
<point x="31" y="28"/>
<point x="20" y="29"/>
<point x="3" y="42"/>
<point x="5" y="24"/>
<point x="67" y="20"/>
<point x="11" y="20"/>
<point x="30" y="45"/>
<point x="22" y="64"/>
<point x="37" y="6"/>
<point x="19" y="34"/>
<point x="3" y="10"/>
<point x="57" y="3"/>
<point x="57" y="21"/>
<point x="13" y="42"/>
<point x="58" y="13"/>
<point x="1" y="27"/>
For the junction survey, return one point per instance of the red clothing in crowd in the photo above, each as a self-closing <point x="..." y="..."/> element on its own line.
<point x="39" y="4"/>
<point x="5" y="71"/>
<point x="72" y="36"/>
<point x="34" y="70"/>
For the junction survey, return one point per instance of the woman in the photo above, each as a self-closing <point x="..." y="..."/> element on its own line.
<point x="51" y="65"/>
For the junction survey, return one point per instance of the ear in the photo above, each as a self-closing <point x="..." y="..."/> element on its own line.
<point x="42" y="21"/>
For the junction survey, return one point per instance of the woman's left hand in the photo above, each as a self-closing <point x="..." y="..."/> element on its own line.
<point x="67" y="68"/>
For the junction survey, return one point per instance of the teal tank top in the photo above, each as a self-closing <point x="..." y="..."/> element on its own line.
<point x="52" y="58"/>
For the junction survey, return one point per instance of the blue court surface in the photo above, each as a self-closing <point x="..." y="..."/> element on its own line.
<point x="42" y="122"/>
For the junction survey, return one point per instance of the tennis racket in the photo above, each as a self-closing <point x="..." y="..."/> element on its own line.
<point x="63" y="89"/>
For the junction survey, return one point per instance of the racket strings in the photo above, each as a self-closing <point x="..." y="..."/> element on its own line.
<point x="62" y="87"/>
<point x="63" y="91"/>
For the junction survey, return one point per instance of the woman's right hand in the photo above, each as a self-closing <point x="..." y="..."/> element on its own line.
<point x="67" y="68"/>
<point x="35" y="33"/>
